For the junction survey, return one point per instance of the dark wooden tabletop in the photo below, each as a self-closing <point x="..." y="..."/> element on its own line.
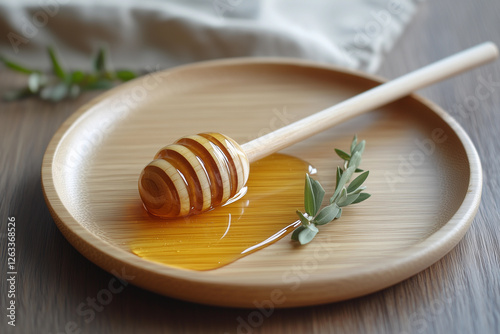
<point x="458" y="294"/>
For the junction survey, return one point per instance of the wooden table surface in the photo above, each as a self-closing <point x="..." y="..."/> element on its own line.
<point x="458" y="294"/>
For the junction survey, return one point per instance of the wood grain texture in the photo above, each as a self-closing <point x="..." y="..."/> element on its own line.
<point x="420" y="160"/>
<point x="457" y="294"/>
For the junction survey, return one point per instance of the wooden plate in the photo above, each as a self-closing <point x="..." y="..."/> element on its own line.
<point x="425" y="179"/>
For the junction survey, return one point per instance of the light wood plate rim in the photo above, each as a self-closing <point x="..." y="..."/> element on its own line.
<point x="413" y="260"/>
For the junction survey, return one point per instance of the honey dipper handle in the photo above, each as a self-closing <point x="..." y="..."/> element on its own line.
<point x="369" y="100"/>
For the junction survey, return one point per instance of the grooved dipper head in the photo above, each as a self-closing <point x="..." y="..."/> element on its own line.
<point x="194" y="174"/>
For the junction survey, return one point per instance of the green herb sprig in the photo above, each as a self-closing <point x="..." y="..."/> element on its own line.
<point x="346" y="192"/>
<point x="61" y="84"/>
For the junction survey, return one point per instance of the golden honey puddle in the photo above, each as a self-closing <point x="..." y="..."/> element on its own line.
<point x="265" y="214"/>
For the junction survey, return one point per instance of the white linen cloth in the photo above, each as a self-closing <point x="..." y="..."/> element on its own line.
<point x="149" y="34"/>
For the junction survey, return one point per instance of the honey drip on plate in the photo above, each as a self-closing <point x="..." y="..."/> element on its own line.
<point x="265" y="214"/>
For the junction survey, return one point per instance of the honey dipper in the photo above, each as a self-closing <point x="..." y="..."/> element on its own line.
<point x="199" y="172"/>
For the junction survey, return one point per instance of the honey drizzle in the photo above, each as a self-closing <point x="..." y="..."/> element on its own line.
<point x="221" y="236"/>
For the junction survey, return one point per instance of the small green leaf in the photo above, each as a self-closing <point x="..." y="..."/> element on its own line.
<point x="296" y="232"/>
<point x="100" y="61"/>
<point x="125" y="75"/>
<point x="339" y="175"/>
<point x="319" y="194"/>
<point x="347" y="200"/>
<point x="55" y="93"/>
<point x="309" y="199"/>
<point x="77" y="77"/>
<point x="358" y="170"/>
<point x="35" y="81"/>
<point x="307" y="234"/>
<point x="56" y="66"/>
<point x="339" y="214"/>
<point x="342" y="195"/>
<point x="303" y="219"/>
<point x="343" y="179"/>
<point x="357" y="191"/>
<point x="16" y="67"/>
<point x="360" y="147"/>
<point x="355" y="160"/>
<point x="343" y="155"/>
<point x="354" y="143"/>
<point x="362" y="197"/>
<point x="357" y="182"/>
<point x="60" y="92"/>
<point x="327" y="214"/>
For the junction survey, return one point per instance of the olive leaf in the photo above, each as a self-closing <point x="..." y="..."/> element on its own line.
<point x="62" y="84"/>
<point x="346" y="175"/>
<point x="100" y="61"/>
<point x="327" y="214"/>
<point x="307" y="234"/>
<point x="362" y="197"/>
<point x="56" y="66"/>
<point x="309" y="200"/>
<point x="355" y="160"/>
<point x="296" y="232"/>
<point x="357" y="182"/>
<point x="16" y="67"/>
<point x="354" y="143"/>
<point x="342" y="154"/>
